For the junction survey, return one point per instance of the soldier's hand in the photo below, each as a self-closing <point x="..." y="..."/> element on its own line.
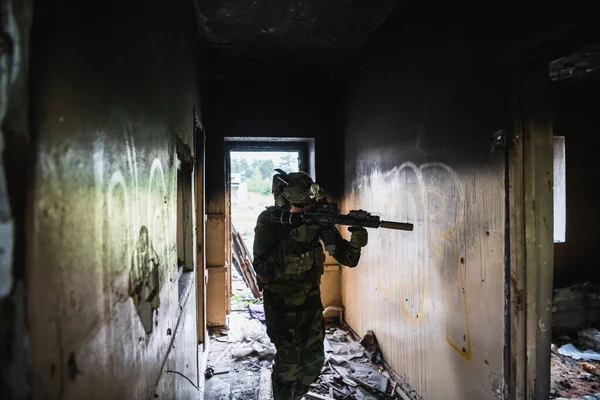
<point x="305" y="233"/>
<point x="359" y="237"/>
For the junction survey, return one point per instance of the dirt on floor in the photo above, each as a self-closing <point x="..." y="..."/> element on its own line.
<point x="352" y="369"/>
<point x="233" y="378"/>
<point x="570" y="380"/>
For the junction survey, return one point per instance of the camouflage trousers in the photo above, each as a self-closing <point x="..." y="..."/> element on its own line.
<point x="297" y="333"/>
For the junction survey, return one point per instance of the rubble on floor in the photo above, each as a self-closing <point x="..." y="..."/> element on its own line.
<point x="569" y="380"/>
<point x="236" y="356"/>
<point x="575" y="366"/>
<point x="352" y="371"/>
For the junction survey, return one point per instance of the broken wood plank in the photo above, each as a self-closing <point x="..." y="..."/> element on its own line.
<point x="264" y="391"/>
<point x="243" y="259"/>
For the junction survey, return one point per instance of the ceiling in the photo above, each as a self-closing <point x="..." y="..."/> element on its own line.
<point x="314" y="31"/>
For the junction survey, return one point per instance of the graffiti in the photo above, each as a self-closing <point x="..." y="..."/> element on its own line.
<point x="144" y="279"/>
<point x="432" y="196"/>
<point x="134" y="247"/>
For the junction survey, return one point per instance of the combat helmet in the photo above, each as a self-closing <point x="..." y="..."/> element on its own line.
<point x="293" y="188"/>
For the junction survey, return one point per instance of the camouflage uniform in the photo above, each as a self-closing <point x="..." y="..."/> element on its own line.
<point x="289" y="273"/>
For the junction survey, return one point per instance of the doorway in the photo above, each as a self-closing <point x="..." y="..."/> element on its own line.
<point x="250" y="174"/>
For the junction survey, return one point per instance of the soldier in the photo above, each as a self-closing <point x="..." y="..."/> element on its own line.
<point x="289" y="264"/>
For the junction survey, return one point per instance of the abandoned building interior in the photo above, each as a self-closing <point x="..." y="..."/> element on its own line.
<point x="477" y="123"/>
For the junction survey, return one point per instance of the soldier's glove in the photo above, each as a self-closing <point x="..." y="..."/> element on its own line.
<point x="359" y="237"/>
<point x="305" y="233"/>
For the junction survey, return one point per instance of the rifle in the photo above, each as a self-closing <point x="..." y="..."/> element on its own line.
<point x="325" y="214"/>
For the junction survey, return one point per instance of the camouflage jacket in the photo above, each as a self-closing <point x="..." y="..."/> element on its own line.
<point x="279" y="259"/>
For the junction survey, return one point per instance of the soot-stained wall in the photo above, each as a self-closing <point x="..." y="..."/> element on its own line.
<point x="421" y="111"/>
<point x="280" y="100"/>
<point x="576" y="117"/>
<point x="113" y="85"/>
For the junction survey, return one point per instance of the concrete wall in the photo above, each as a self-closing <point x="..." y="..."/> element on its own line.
<point x="421" y="110"/>
<point x="113" y="85"/>
<point x="576" y="118"/>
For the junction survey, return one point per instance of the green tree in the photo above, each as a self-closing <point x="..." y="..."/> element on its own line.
<point x="289" y="163"/>
<point x="240" y="166"/>
<point x="256" y="182"/>
<point x="266" y="168"/>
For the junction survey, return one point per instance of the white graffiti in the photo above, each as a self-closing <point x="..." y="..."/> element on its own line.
<point x="431" y="197"/>
<point x="127" y="232"/>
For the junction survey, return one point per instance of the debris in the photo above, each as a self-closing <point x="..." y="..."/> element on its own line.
<point x="554" y="349"/>
<point x="592" y="369"/>
<point x="327" y="347"/>
<point x="369" y="342"/>
<point x="349" y="371"/>
<point x="211" y="371"/>
<point x="257" y="311"/>
<point x="590" y="338"/>
<point x="243" y="262"/>
<point x="242" y="351"/>
<point x="371" y="389"/>
<point x="250" y="336"/>
<point x="350" y="350"/>
<point x="316" y="396"/>
<point x="339" y="336"/>
<point x="360" y="373"/>
<point x="571" y="351"/>
<point x="569" y="380"/>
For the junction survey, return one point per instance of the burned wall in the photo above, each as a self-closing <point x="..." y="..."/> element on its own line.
<point x="113" y="85"/>
<point x="423" y="113"/>
<point x="575" y="116"/>
<point x="274" y="99"/>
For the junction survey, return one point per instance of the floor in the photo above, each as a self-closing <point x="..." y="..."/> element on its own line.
<point x="569" y="379"/>
<point x="236" y="377"/>
<point x="240" y="359"/>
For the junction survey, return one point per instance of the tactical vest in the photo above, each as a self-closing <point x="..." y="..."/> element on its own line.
<point x="300" y="274"/>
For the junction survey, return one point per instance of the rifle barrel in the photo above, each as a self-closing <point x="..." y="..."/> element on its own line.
<point x="402" y="226"/>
